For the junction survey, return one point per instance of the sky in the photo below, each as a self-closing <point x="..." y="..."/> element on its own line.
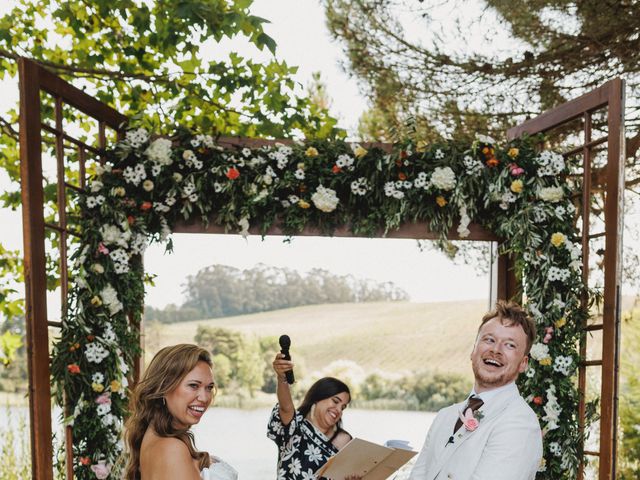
<point x="303" y="40"/>
<point x="299" y="29"/>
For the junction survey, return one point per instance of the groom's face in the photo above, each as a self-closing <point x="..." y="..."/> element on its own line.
<point x="498" y="356"/>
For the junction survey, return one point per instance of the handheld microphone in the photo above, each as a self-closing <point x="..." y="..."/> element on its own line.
<point x="285" y="343"/>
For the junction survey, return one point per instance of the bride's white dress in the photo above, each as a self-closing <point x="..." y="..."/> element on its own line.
<point x="219" y="470"/>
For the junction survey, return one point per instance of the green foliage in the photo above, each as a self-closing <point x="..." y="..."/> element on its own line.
<point x="238" y="359"/>
<point x="629" y="453"/>
<point x="425" y="390"/>
<point x="14" y="446"/>
<point x="221" y="291"/>
<point x="9" y="345"/>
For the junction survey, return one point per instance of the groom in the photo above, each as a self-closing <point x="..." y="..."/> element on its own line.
<point x="494" y="434"/>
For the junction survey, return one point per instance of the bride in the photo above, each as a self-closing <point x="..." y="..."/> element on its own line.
<point x="174" y="393"/>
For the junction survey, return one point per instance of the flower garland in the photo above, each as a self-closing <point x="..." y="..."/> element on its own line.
<point x="147" y="185"/>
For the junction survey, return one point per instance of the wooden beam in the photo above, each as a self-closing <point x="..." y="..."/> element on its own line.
<point x="34" y="272"/>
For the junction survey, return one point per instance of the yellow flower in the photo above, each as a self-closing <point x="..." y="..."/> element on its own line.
<point x="513" y="152"/>
<point x="517" y="186"/>
<point x="115" y="386"/>
<point x="97" y="387"/>
<point x="96" y="301"/>
<point x="359" y="152"/>
<point x="557" y="239"/>
<point x="301" y="165"/>
<point x="441" y="201"/>
<point x="422" y="146"/>
<point x="311" y="152"/>
<point x="118" y="192"/>
<point x="303" y="204"/>
<point x="545" y="361"/>
<point x="561" y="322"/>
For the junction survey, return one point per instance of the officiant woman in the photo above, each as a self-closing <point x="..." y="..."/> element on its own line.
<point x="309" y="435"/>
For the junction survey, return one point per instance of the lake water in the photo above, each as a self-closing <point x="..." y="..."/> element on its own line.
<point x="239" y="436"/>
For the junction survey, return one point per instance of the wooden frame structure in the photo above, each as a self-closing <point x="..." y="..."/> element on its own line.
<point x="611" y="180"/>
<point x="34" y="79"/>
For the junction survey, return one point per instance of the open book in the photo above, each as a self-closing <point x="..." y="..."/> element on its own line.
<point x="369" y="460"/>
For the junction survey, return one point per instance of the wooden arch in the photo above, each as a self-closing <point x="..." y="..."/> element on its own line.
<point x="36" y="80"/>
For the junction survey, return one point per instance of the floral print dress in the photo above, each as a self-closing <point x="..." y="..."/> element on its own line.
<point x="302" y="449"/>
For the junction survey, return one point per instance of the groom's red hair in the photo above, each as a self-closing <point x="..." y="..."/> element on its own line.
<point x="510" y="313"/>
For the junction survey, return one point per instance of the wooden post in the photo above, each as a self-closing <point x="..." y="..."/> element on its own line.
<point x="35" y="272"/>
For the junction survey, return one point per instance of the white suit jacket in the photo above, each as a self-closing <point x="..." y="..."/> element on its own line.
<point x="507" y="445"/>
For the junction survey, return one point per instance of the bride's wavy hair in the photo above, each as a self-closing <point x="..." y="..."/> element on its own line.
<point x="148" y="408"/>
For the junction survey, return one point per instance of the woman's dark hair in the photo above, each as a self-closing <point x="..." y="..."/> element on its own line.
<point x="324" y="388"/>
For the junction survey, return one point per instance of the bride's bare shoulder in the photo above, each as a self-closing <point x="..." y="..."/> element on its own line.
<point x="165" y="457"/>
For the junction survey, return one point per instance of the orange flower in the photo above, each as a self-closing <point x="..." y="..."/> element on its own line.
<point x="403" y="154"/>
<point x="402" y="176"/>
<point x="73" y="368"/>
<point x="85" y="461"/>
<point x="441" y="201"/>
<point x="91" y="338"/>
<point x="537" y="400"/>
<point x="232" y="173"/>
<point x="493" y="162"/>
<point x="146" y="206"/>
<point x="336" y="169"/>
<point x="131" y="219"/>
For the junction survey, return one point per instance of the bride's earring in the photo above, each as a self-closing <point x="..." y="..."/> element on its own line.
<point x="164" y="401"/>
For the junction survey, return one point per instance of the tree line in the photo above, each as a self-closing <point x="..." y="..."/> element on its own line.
<point x="222" y="291"/>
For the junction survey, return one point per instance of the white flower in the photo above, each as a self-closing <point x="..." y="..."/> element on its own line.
<point x="96" y="186"/>
<point x="139" y="243"/>
<point x="439" y="154"/>
<point x="485" y="139"/>
<point x="95" y="352"/>
<point x="147" y="185"/>
<point x="360" y="186"/>
<point x="112" y="235"/>
<point x="160" y="151"/>
<point x="246" y="152"/>
<point x="530" y="372"/>
<point x="91" y="202"/>
<point x="103" y="409"/>
<point x="554" y="448"/>
<point x="285" y="203"/>
<point x="539" y="214"/>
<point x="551" y="409"/>
<point x="463" y="227"/>
<point x="472" y="166"/>
<point x="539" y="351"/>
<point x="156" y="169"/>
<point x="551" y="194"/>
<point x="551" y="163"/>
<point x="243" y="225"/>
<point x="177" y="177"/>
<point x="563" y="364"/>
<point x="136" y="138"/>
<point x="443" y="178"/>
<point x="108" y="419"/>
<point x="560" y="211"/>
<point x="556" y="274"/>
<point x="293" y="199"/>
<point x="193" y="197"/>
<point x="109" y="335"/>
<point x="134" y="174"/>
<point x="344" y="161"/>
<point x="97" y="377"/>
<point x="325" y="199"/>
<point x="299" y="174"/>
<point x="109" y="298"/>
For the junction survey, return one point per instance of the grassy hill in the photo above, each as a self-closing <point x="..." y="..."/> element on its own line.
<point x="393" y="337"/>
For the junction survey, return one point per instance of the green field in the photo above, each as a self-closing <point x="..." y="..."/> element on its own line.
<point x="393" y="336"/>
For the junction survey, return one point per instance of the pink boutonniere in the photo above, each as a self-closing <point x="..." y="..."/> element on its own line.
<point x="470" y="420"/>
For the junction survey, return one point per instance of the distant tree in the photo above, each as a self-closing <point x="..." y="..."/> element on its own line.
<point x="220" y="290"/>
<point x="238" y="357"/>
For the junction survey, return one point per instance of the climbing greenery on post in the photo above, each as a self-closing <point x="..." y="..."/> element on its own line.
<point x="148" y="184"/>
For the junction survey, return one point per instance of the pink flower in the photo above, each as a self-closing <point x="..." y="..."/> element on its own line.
<point x="548" y="335"/>
<point x="102" y="249"/>
<point x="104" y="398"/>
<point x="101" y="470"/>
<point x="468" y="420"/>
<point x="471" y="424"/>
<point x="515" y="169"/>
